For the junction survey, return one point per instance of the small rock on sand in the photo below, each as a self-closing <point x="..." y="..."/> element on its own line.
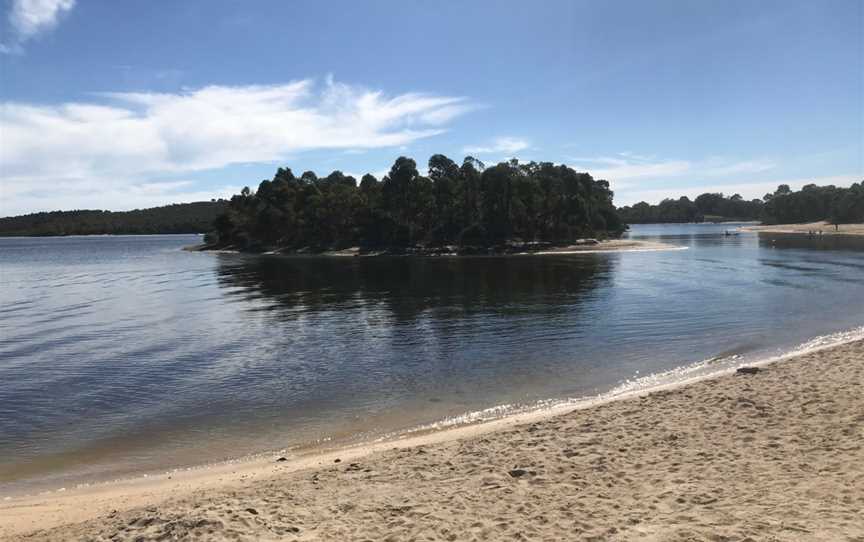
<point x="747" y="370"/>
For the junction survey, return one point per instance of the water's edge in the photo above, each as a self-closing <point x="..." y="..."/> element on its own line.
<point x="489" y="418"/>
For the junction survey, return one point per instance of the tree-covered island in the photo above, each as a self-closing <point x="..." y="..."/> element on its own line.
<point x="468" y="206"/>
<point x="463" y="208"/>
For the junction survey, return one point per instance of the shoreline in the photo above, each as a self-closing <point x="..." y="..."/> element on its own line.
<point x="22" y="515"/>
<point x="826" y="229"/>
<point x="595" y="247"/>
<point x="542" y="408"/>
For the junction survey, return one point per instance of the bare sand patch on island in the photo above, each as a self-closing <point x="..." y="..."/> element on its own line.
<point x="612" y="245"/>
<point x="609" y="245"/>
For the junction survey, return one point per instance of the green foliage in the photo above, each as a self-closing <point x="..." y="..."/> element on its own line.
<point x="669" y="210"/>
<point x="466" y="205"/>
<point x="179" y="218"/>
<point x="814" y="203"/>
<point x="811" y="204"/>
<point x="707" y="207"/>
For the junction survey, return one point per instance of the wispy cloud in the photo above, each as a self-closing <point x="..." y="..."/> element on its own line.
<point x="618" y="169"/>
<point x="29" y="18"/>
<point x="625" y="167"/>
<point x="720" y="168"/>
<point x="124" y="139"/>
<point x="499" y="145"/>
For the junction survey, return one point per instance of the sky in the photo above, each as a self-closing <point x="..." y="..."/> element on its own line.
<point x="122" y="105"/>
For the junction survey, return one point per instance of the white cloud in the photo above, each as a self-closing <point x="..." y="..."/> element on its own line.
<point x="719" y="168"/>
<point x="29" y="18"/>
<point x="620" y="169"/>
<point x="628" y="166"/>
<point x="130" y="138"/>
<point x="506" y="145"/>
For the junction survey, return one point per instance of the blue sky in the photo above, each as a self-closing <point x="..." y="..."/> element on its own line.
<point x="119" y="105"/>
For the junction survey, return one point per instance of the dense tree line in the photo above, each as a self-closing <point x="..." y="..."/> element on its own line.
<point x="466" y="205"/>
<point x="706" y="207"/>
<point x="813" y="203"/>
<point x="179" y="218"/>
<point x="810" y="204"/>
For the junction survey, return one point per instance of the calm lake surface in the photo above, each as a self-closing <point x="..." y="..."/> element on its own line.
<point x="122" y="355"/>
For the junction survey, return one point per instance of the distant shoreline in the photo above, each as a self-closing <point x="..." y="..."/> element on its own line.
<point x="175" y="219"/>
<point x="818" y="227"/>
<point x="90" y="235"/>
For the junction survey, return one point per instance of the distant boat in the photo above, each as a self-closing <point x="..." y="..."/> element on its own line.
<point x="728" y="233"/>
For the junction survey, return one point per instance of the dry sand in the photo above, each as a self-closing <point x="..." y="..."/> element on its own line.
<point x="610" y="245"/>
<point x="826" y="228"/>
<point x="772" y="456"/>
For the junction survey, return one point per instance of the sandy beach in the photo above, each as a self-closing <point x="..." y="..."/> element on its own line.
<point x="824" y="227"/>
<point x="611" y="245"/>
<point x="776" y="455"/>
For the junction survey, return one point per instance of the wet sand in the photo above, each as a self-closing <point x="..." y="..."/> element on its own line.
<point x="776" y="455"/>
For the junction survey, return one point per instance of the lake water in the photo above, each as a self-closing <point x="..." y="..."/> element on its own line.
<point x="122" y="355"/>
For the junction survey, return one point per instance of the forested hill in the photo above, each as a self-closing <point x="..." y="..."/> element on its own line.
<point x="810" y="204"/>
<point x="813" y="203"/>
<point x="706" y="208"/>
<point x="466" y="205"/>
<point x="195" y="217"/>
